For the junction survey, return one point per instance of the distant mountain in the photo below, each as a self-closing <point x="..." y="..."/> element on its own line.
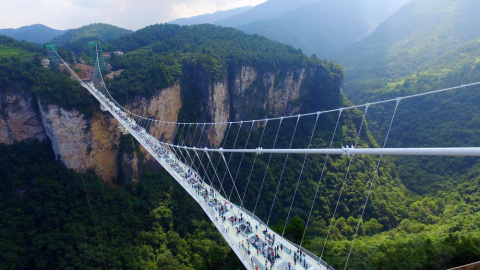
<point x="77" y="40"/>
<point x="416" y="34"/>
<point x="96" y="31"/>
<point x="320" y="27"/>
<point x="315" y="28"/>
<point x="37" y="33"/>
<point x="211" y="18"/>
<point x="264" y="11"/>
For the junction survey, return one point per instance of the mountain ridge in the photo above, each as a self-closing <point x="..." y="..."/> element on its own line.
<point x="210" y="18"/>
<point x="36" y="33"/>
<point x="291" y="22"/>
<point x="399" y="45"/>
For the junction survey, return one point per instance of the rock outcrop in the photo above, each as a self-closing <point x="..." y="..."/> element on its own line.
<point x="82" y="144"/>
<point x="19" y="119"/>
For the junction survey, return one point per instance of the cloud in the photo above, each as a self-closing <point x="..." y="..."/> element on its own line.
<point x="130" y="14"/>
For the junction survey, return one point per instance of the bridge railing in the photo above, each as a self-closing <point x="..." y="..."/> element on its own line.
<point x="309" y="253"/>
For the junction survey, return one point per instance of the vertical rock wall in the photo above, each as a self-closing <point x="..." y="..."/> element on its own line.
<point x="82" y="144"/>
<point x="19" y="120"/>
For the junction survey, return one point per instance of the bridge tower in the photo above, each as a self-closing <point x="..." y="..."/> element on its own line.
<point x="52" y="54"/>
<point x="96" y="54"/>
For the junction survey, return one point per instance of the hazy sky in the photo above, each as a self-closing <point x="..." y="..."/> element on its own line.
<point x="130" y="14"/>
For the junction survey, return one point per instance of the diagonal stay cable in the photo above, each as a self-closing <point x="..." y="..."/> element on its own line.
<point x="231" y="154"/>
<point x="200" y="159"/>
<point x="203" y="153"/>
<point x="241" y="160"/>
<point x="283" y="170"/>
<point x="254" y="160"/>
<point x="371" y="183"/>
<point x="235" y="186"/>
<point x="221" y="187"/>
<point x="179" y="149"/>
<point x="301" y="172"/>
<point x="224" y="143"/>
<point x="343" y="184"/>
<point x="321" y="177"/>
<point x="268" y="164"/>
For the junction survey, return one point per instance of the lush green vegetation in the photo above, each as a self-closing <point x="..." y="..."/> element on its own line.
<point x="20" y="70"/>
<point x="10" y="47"/>
<point x="421" y="31"/>
<point x="223" y="46"/>
<point x="54" y="218"/>
<point x="441" y="227"/>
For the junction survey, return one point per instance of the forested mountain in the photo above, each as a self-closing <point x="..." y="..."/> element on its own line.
<point x="419" y="32"/>
<point x="77" y="39"/>
<point x="316" y="26"/>
<point x="55" y="218"/>
<point x="427" y="45"/>
<point x="447" y="213"/>
<point x="37" y="33"/>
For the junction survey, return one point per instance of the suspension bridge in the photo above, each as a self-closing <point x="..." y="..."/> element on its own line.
<point x="185" y="150"/>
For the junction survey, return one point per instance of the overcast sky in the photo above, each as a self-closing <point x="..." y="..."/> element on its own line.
<point x="130" y="14"/>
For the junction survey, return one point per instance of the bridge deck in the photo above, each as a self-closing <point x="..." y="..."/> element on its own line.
<point x="254" y="243"/>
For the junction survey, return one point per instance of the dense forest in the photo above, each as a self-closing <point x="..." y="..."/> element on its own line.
<point x="21" y="70"/>
<point x="435" y="49"/>
<point x="54" y="218"/>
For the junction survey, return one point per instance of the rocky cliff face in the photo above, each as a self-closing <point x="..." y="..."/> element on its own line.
<point x="248" y="94"/>
<point x="94" y="143"/>
<point x="82" y="144"/>
<point x="164" y="105"/>
<point x="269" y="93"/>
<point x="19" y="119"/>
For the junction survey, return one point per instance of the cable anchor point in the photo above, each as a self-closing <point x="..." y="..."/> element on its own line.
<point x="346" y="151"/>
